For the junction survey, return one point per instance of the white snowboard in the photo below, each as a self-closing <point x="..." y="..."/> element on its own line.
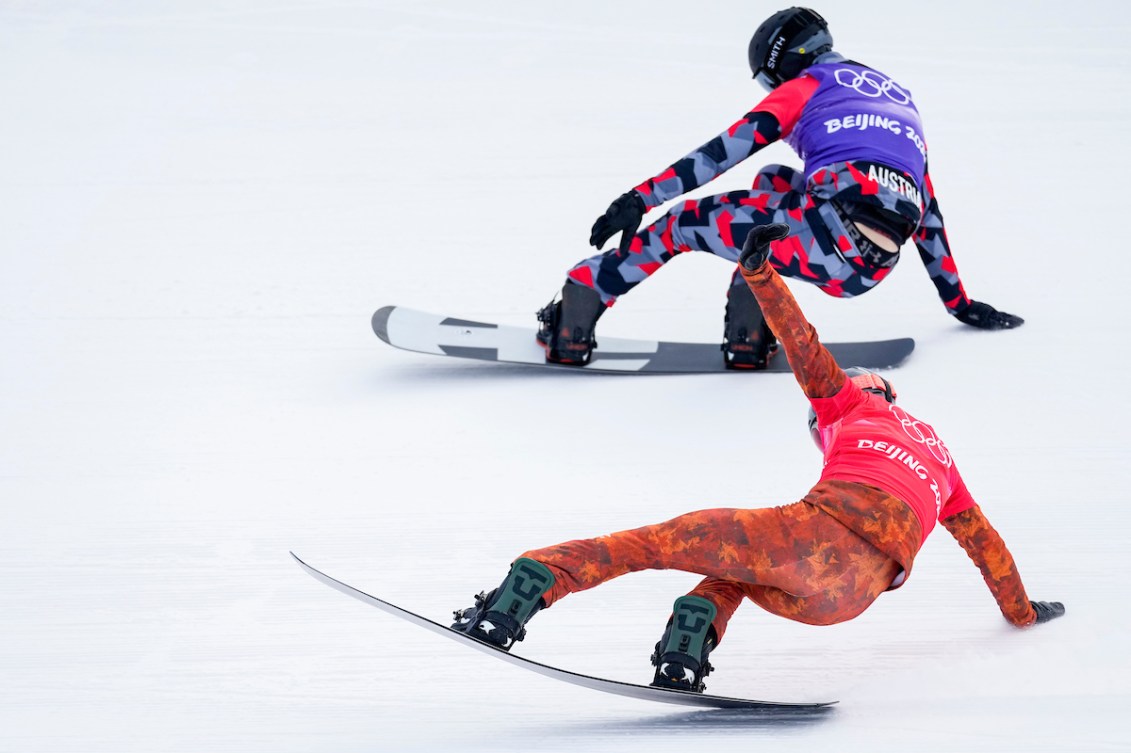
<point x="442" y="335"/>
<point x="644" y="692"/>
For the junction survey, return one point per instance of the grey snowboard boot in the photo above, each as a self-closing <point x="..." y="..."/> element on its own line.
<point x="566" y="326"/>
<point x="499" y="617"/>
<point x="680" y="658"/>
<point x="748" y="342"/>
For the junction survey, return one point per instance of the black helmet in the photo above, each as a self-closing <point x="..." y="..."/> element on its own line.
<point x="869" y="381"/>
<point x="787" y="43"/>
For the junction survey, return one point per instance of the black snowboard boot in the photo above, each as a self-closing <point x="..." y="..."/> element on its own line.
<point x="747" y="342"/>
<point x="566" y="326"/>
<point x="681" y="655"/>
<point x="499" y="617"/>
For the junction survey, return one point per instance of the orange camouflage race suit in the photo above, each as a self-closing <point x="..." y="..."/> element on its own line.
<point x="821" y="560"/>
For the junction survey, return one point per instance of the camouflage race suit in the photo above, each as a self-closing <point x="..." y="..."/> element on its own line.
<point x="821" y="560"/>
<point x="796" y="561"/>
<point x="823" y="248"/>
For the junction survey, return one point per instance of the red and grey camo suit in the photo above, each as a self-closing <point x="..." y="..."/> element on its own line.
<point x="819" y="249"/>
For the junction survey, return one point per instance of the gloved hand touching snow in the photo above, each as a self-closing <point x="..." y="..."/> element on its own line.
<point x="985" y="316"/>
<point x="1047" y="610"/>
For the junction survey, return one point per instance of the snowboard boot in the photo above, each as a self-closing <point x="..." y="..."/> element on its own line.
<point x="499" y="617"/>
<point x="680" y="658"/>
<point x="747" y="342"/>
<point x="566" y="326"/>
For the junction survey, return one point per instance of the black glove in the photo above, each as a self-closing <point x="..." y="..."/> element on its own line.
<point x="1047" y="610"/>
<point x="985" y="316"/>
<point x="623" y="214"/>
<point x="756" y="249"/>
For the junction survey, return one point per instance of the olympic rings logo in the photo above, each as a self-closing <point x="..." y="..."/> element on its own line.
<point x="872" y="84"/>
<point x="921" y="434"/>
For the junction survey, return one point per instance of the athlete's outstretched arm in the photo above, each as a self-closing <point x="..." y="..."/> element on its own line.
<point x="934" y="249"/>
<point x="813" y="365"/>
<point x="771" y="119"/>
<point x="984" y="545"/>
<point x="755" y="130"/>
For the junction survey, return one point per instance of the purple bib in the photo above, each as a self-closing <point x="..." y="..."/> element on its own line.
<point x="857" y="113"/>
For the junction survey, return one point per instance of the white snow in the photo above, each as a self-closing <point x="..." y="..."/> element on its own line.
<point x="201" y="205"/>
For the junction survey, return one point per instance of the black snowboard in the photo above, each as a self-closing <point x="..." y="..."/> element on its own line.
<point x="644" y="692"/>
<point x="447" y="336"/>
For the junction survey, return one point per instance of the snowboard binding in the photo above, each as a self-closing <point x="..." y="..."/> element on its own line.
<point x="681" y="655"/>
<point x="566" y="327"/>
<point x="748" y="342"/>
<point x="499" y="617"/>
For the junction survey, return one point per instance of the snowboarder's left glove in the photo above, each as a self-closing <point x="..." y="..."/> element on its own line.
<point x="1047" y="610"/>
<point x="985" y="316"/>
<point x="625" y="215"/>
<point x="756" y="249"/>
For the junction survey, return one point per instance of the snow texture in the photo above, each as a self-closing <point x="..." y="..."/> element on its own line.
<point x="201" y="205"/>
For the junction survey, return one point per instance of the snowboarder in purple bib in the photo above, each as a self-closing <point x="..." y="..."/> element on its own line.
<point x="864" y="192"/>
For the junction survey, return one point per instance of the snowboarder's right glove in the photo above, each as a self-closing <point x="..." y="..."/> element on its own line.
<point x="985" y="316"/>
<point x="756" y="249"/>
<point x="625" y="215"/>
<point x="1047" y="610"/>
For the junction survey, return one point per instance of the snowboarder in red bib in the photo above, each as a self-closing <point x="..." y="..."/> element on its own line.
<point x="864" y="192"/>
<point x="887" y="479"/>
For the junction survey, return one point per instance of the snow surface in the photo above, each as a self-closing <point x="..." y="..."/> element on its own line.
<point x="202" y="203"/>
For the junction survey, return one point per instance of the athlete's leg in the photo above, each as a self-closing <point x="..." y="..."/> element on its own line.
<point x="567" y="329"/>
<point x="840" y="600"/>
<point x="813" y="251"/>
<point x="715" y="224"/>
<point x="726" y="595"/>
<point x="779" y="179"/>
<point x="820" y="248"/>
<point x="797" y="549"/>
